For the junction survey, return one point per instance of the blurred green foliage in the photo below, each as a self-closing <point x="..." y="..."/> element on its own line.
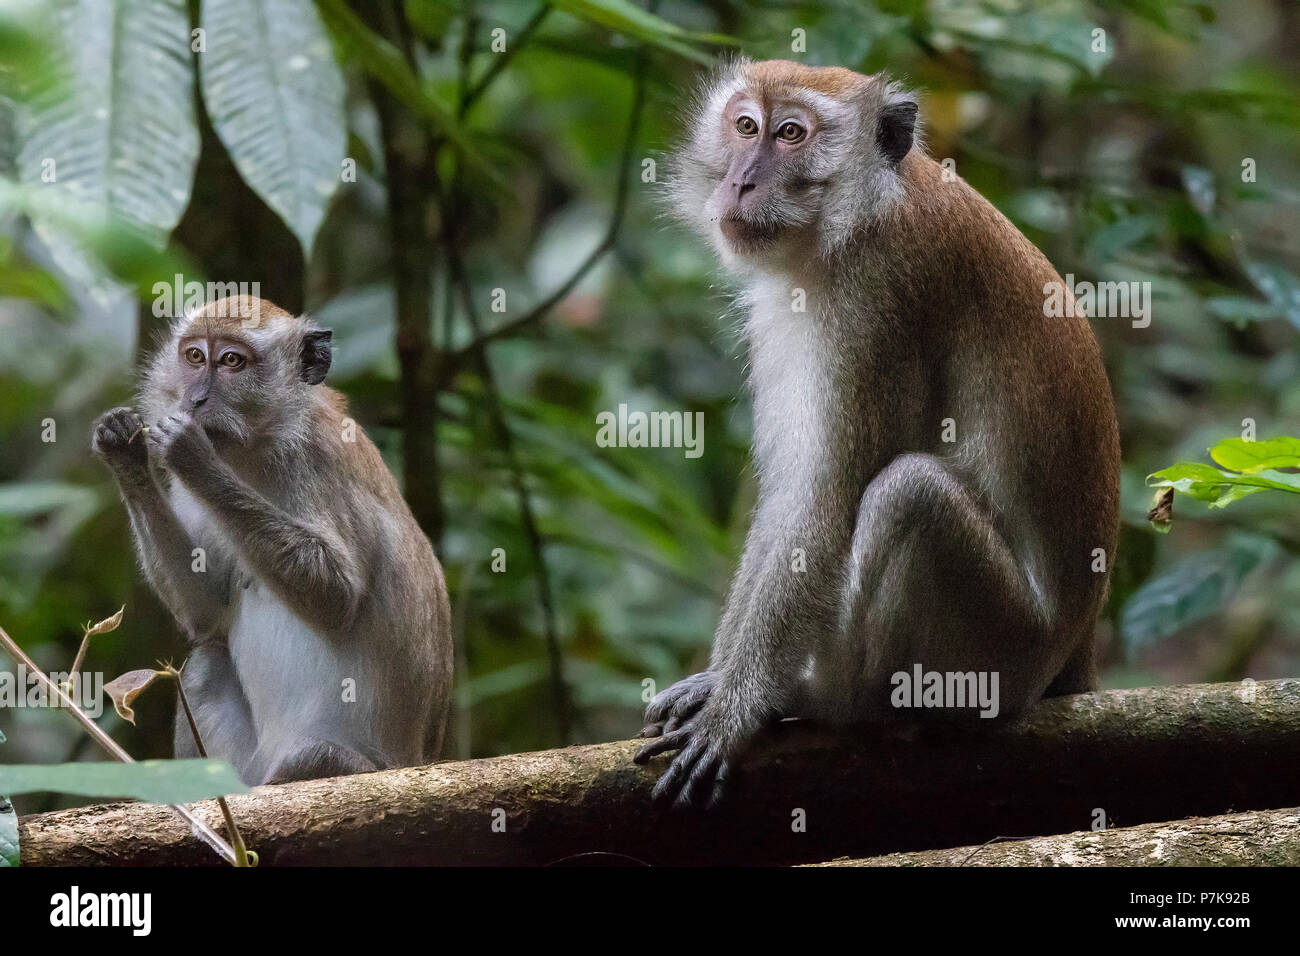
<point x="1162" y="149"/>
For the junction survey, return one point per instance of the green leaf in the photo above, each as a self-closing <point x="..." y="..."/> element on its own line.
<point x="1240" y="310"/>
<point x="91" y="248"/>
<point x="1191" y="478"/>
<point x="385" y="63"/>
<point x="1279" y="286"/>
<point x="275" y="95"/>
<point x="1255" y="456"/>
<point x="1191" y="590"/>
<point x="157" y="781"/>
<point x="8" y="834"/>
<point x="116" y="133"/>
<point x="1120" y="236"/>
<point x="26" y="499"/>
<point x="1221" y="488"/>
<point x="627" y="18"/>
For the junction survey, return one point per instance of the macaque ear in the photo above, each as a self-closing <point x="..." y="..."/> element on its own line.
<point x="316" y="356"/>
<point x="896" y="130"/>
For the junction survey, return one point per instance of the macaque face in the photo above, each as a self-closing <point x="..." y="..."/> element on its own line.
<point x="217" y="383"/>
<point x="785" y="163"/>
<point x="770" y="188"/>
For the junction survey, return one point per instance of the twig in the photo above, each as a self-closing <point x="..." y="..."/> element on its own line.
<point x="527" y="515"/>
<point x="535" y="314"/>
<point x="502" y="60"/>
<point x="457" y="279"/>
<point x="236" y="839"/>
<point x="457" y="274"/>
<point x="197" y="826"/>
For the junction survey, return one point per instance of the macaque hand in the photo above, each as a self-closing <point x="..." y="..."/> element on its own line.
<point x="181" y="443"/>
<point x="707" y="746"/>
<point x="118" y="439"/>
<point x="673" y="705"/>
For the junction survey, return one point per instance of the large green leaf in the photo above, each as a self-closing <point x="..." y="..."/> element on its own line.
<point x="116" y="132"/>
<point x="1255" y="456"/>
<point x="105" y="255"/>
<point x="386" y="64"/>
<point x="275" y="95"/>
<point x="157" y="781"/>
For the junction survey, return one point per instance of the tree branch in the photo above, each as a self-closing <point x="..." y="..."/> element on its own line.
<point x="1261" y="838"/>
<point x="1140" y="755"/>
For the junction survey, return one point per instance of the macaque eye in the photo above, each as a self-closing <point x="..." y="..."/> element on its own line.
<point x="194" y="355"/>
<point x="746" y="126"/>
<point x="232" y="360"/>
<point x="791" y="132"/>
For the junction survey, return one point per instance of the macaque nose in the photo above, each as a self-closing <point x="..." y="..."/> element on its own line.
<point x="198" y="394"/>
<point x="743" y="188"/>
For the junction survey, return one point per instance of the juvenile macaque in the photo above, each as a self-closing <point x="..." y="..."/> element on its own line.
<point x="265" y="519"/>
<point x="938" y="461"/>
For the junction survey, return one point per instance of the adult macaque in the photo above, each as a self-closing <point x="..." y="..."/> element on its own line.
<point x="938" y="460"/>
<point x="317" y="616"/>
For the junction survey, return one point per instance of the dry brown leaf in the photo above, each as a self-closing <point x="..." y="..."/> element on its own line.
<point x="107" y="624"/>
<point x="123" y="690"/>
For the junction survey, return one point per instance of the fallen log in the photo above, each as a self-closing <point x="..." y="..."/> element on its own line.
<point x="804" y="795"/>
<point x="1260" y="838"/>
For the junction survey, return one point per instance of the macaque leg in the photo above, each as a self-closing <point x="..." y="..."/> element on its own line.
<point x="220" y="709"/>
<point x="1078" y="676"/>
<point x="932" y="582"/>
<point x="319" y="758"/>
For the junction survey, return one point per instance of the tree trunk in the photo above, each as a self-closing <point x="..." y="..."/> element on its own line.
<point x="804" y="794"/>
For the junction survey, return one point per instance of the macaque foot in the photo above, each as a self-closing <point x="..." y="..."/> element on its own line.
<point x="674" y="705"/>
<point x="698" y="774"/>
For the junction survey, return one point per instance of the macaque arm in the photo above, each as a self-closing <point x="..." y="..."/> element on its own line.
<point x="791" y="598"/>
<point x="196" y="599"/>
<point x="305" y="562"/>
